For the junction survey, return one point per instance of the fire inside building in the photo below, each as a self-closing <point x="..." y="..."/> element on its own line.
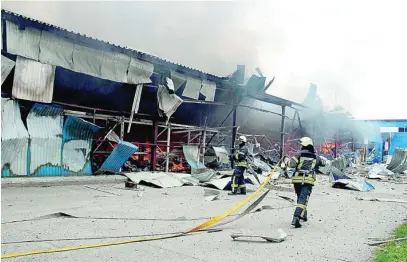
<point x="74" y="105"/>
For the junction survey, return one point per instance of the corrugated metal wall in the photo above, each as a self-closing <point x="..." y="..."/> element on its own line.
<point x="49" y="148"/>
<point x="14" y="140"/>
<point x="77" y="144"/>
<point x="44" y="125"/>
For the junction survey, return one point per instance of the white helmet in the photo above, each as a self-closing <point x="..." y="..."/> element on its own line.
<point x="306" y="141"/>
<point x="242" y="139"/>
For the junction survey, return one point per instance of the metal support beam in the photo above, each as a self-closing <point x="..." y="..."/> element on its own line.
<point x="189" y="137"/>
<point x="167" y="157"/>
<point x="234" y="134"/>
<point x="282" y="135"/>
<point x="154" y="146"/>
<point x="122" y="128"/>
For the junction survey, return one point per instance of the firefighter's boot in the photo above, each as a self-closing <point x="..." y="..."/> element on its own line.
<point x="296" y="222"/>
<point x="305" y="217"/>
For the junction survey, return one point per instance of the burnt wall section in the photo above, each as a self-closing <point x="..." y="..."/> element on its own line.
<point x="77" y="145"/>
<point x="14" y="140"/>
<point x="49" y="147"/>
<point x="44" y="125"/>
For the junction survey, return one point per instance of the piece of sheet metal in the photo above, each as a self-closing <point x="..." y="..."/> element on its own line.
<point x="116" y="159"/>
<point x="6" y="67"/>
<point x="56" y="50"/>
<point x="33" y="80"/>
<point x="191" y="154"/>
<point x="23" y="41"/>
<point x="208" y="90"/>
<point x="59" y="51"/>
<point x="14" y="140"/>
<point x="46" y="143"/>
<point x="139" y="72"/>
<point x="192" y="88"/>
<point x="167" y="102"/>
<point x="77" y="136"/>
<point x="216" y="156"/>
<point x="158" y="179"/>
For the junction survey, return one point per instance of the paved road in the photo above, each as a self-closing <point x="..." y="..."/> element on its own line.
<point x="337" y="231"/>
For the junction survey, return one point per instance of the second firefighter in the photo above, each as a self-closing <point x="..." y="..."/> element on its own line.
<point x="239" y="158"/>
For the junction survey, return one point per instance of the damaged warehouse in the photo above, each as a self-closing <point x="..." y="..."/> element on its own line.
<point x="94" y="96"/>
<point x="112" y="109"/>
<point x="126" y="147"/>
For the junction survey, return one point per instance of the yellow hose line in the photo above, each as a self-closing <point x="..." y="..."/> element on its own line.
<point x="195" y="229"/>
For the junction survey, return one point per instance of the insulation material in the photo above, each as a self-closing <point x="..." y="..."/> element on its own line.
<point x="77" y="144"/>
<point x="139" y="72"/>
<point x="23" y="41"/>
<point x="87" y="60"/>
<point x="14" y="140"/>
<point x="33" y="81"/>
<point x="191" y="154"/>
<point x="56" y="50"/>
<point x="46" y="143"/>
<point x="120" y="154"/>
<point x="208" y="90"/>
<point x="192" y="88"/>
<point x="178" y="79"/>
<point x="167" y="102"/>
<point x="6" y="67"/>
<point x="114" y="67"/>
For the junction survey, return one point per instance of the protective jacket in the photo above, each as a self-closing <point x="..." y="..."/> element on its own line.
<point x="305" y="162"/>
<point x="241" y="155"/>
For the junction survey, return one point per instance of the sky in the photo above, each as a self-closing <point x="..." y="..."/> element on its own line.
<point x="354" y="51"/>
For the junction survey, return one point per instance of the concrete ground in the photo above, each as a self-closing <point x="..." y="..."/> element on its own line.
<point x="338" y="228"/>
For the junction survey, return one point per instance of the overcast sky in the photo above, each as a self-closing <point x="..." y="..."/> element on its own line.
<point x="355" y="51"/>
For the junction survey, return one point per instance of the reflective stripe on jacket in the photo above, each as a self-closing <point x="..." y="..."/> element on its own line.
<point x="305" y="162"/>
<point x="241" y="155"/>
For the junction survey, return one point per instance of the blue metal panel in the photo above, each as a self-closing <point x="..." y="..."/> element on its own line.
<point x="120" y="154"/>
<point x="398" y="140"/>
<point x="76" y="145"/>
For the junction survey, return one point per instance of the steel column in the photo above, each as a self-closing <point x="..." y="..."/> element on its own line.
<point x="122" y="128"/>
<point x="234" y="134"/>
<point x="154" y="146"/>
<point x="167" y="157"/>
<point x="282" y="134"/>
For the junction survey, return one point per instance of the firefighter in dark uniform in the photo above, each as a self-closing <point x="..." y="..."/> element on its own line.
<point x="304" y="162"/>
<point x="239" y="158"/>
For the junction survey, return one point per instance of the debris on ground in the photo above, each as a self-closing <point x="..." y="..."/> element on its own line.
<point x="280" y="238"/>
<point x="381" y="199"/>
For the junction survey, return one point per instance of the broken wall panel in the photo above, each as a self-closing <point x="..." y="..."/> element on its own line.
<point x="139" y="72"/>
<point x="208" y="90"/>
<point x="14" y="140"/>
<point x="33" y="80"/>
<point x="120" y="154"/>
<point x="191" y="154"/>
<point x="167" y="102"/>
<point x="56" y="50"/>
<point x="77" y="145"/>
<point x="6" y="67"/>
<point x="60" y="51"/>
<point x="192" y="88"/>
<point x="44" y="125"/>
<point x="23" y="41"/>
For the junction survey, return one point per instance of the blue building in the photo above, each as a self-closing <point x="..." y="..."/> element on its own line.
<point x="388" y="135"/>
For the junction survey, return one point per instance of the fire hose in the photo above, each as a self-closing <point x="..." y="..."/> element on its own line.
<point x="202" y="227"/>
